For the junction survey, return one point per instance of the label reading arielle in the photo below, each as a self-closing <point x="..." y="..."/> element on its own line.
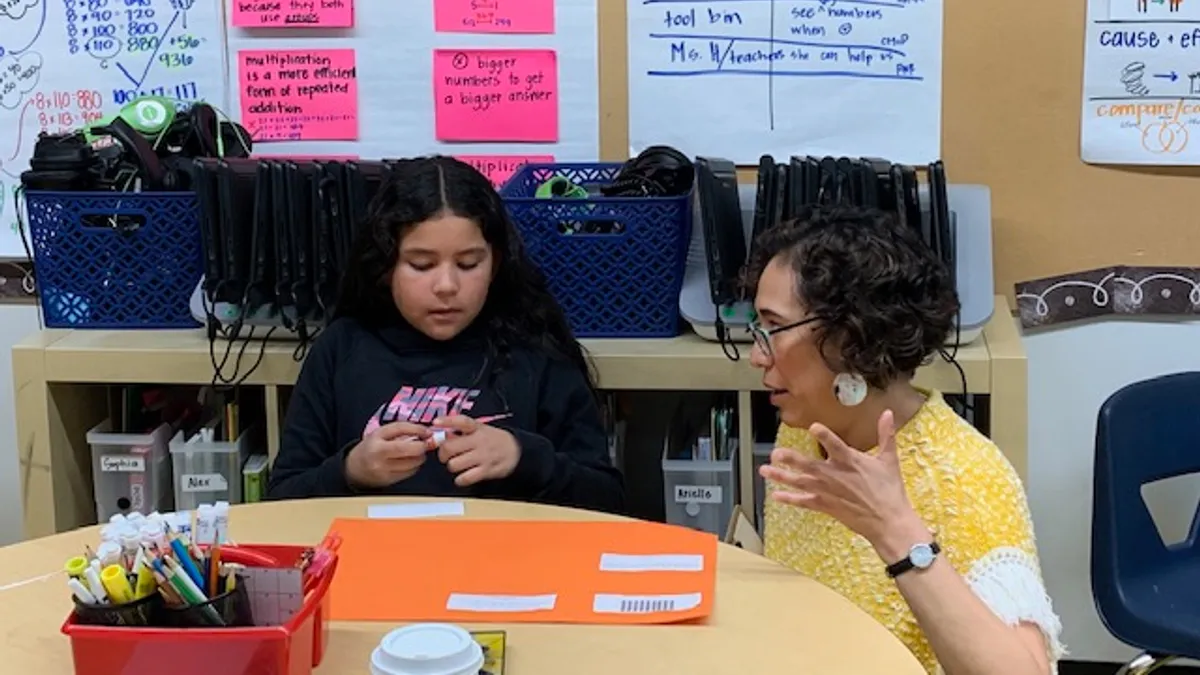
<point x="698" y="494"/>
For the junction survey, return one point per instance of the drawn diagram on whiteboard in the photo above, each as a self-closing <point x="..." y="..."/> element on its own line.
<point x="67" y="64"/>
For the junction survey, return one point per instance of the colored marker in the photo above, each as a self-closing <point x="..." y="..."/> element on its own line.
<point x="76" y="566"/>
<point x="81" y="592"/>
<point x="117" y="584"/>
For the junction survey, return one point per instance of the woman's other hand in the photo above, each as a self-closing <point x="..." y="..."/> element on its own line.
<point x="388" y="455"/>
<point x="865" y="492"/>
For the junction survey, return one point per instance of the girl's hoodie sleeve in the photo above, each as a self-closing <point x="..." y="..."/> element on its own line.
<point x="566" y="462"/>
<point x="309" y="463"/>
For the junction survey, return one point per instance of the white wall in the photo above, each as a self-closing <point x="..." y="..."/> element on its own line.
<point x="16" y="321"/>
<point x="1071" y="372"/>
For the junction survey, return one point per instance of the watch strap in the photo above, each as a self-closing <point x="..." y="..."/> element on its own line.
<point x="904" y="565"/>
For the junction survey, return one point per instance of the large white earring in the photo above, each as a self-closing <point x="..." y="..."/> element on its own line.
<point x="850" y="389"/>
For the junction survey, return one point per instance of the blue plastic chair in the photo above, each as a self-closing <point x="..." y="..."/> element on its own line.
<point x="1147" y="593"/>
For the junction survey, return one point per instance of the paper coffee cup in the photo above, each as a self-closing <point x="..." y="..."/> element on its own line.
<point x="427" y="649"/>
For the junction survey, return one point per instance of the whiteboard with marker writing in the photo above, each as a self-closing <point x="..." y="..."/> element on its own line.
<point x="1141" y="83"/>
<point x="67" y="63"/>
<point x="742" y="78"/>
<point x="494" y="82"/>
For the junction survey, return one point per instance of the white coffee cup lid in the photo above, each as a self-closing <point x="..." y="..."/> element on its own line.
<point x="427" y="649"/>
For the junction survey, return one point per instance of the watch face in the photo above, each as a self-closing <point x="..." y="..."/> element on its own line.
<point x="921" y="556"/>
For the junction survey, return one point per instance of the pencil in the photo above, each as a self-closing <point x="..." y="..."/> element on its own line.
<point x="214" y="568"/>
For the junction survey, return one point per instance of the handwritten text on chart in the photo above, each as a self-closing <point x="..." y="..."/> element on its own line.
<point x="18" y="77"/>
<point x="816" y="40"/>
<point x="139" y="40"/>
<point x="500" y="168"/>
<point x="299" y="94"/>
<point x="1141" y="85"/>
<point x="292" y="13"/>
<point x="494" y="16"/>
<point x="778" y="41"/>
<point x="496" y="95"/>
<point x="1153" y="10"/>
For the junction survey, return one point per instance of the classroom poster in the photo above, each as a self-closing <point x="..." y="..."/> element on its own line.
<point x="736" y="79"/>
<point x="307" y="95"/>
<point x="499" y="168"/>
<point x="496" y="95"/>
<point x="1141" y="83"/>
<point x="291" y="13"/>
<point x="494" y="16"/>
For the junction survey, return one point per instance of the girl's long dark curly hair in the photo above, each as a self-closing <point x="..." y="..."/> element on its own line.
<point x="519" y="310"/>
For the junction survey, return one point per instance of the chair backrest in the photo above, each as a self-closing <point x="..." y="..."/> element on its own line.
<point x="741" y="532"/>
<point x="1145" y="432"/>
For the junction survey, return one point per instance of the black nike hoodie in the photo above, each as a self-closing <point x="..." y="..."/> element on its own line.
<point x="357" y="378"/>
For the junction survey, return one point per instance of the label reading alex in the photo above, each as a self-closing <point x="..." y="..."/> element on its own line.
<point x="203" y="482"/>
<point x="698" y="494"/>
<point x="122" y="464"/>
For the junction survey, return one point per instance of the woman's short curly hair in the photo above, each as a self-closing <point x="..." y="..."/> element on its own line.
<point x="886" y="303"/>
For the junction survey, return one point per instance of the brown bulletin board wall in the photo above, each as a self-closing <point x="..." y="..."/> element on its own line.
<point x="1013" y="73"/>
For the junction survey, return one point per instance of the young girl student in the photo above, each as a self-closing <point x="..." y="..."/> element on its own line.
<point x="449" y="369"/>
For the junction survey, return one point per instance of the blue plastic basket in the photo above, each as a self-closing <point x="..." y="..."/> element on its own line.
<point x="115" y="260"/>
<point x="622" y="285"/>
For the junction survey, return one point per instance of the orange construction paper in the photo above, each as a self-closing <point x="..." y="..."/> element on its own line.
<point x="407" y="570"/>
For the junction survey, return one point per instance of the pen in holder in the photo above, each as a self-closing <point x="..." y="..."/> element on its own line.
<point x="144" y="612"/>
<point x="230" y="609"/>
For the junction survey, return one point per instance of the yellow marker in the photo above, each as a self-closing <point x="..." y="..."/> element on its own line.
<point x="146" y="584"/>
<point x="76" y="566"/>
<point x="117" y="584"/>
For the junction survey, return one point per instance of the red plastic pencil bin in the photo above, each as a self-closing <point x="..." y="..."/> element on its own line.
<point x="294" y="648"/>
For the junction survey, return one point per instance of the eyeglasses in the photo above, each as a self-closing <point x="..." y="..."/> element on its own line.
<point x="762" y="336"/>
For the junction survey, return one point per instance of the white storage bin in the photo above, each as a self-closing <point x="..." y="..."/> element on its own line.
<point x="208" y="472"/>
<point x="700" y="494"/>
<point x="130" y="472"/>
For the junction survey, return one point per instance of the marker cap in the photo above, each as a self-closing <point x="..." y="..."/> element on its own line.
<point x="76" y="566"/>
<point x="108" y="553"/>
<point x="427" y="649"/>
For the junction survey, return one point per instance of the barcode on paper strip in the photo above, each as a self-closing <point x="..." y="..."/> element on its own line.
<point x="618" y="562"/>
<point x="607" y="603"/>
<point x="465" y="602"/>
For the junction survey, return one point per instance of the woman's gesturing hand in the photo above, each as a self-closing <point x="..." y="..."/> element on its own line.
<point x="865" y="492"/>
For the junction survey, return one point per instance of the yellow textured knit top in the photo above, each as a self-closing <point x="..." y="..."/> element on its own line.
<point x="971" y="499"/>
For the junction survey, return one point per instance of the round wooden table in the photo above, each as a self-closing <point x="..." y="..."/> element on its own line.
<point x="767" y="619"/>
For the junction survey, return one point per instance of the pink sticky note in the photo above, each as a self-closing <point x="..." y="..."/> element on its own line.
<point x="500" y="168"/>
<point x="309" y="158"/>
<point x="493" y="16"/>
<point x="299" y="95"/>
<point x="496" y="95"/>
<point x="292" y="13"/>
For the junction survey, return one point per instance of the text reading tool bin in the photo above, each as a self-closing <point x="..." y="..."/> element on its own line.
<point x="294" y="648"/>
<point x="623" y="283"/>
